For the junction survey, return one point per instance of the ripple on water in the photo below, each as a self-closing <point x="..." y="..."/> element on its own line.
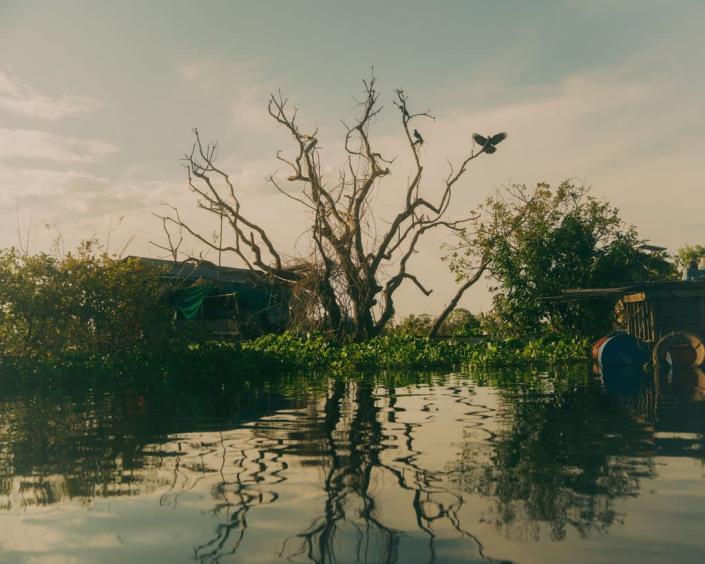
<point x="525" y="467"/>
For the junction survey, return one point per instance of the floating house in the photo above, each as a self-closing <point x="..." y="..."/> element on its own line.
<point x="226" y="300"/>
<point x="668" y="316"/>
<point x="650" y="310"/>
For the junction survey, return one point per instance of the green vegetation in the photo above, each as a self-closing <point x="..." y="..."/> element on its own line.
<point x="537" y="242"/>
<point x="409" y="352"/>
<point x="460" y="322"/>
<point x="84" y="303"/>
<point x="688" y="254"/>
<point x="87" y="308"/>
<point x="289" y="353"/>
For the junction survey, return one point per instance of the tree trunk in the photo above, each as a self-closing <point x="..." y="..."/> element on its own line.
<point x="454" y="302"/>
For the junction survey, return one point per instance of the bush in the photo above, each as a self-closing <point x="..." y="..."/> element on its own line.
<point x="85" y="303"/>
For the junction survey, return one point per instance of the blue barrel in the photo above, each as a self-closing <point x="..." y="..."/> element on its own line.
<point x="619" y="350"/>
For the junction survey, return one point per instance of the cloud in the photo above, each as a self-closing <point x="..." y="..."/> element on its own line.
<point x="34" y="144"/>
<point x="41" y="203"/>
<point x="249" y="109"/>
<point x="21" y="99"/>
<point x="237" y="85"/>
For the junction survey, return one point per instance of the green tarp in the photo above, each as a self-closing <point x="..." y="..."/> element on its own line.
<point x="188" y="300"/>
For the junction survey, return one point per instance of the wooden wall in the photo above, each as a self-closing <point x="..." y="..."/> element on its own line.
<point x="649" y="316"/>
<point x="639" y="318"/>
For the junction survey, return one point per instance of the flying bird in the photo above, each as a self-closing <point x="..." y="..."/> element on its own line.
<point x="418" y="137"/>
<point x="489" y="144"/>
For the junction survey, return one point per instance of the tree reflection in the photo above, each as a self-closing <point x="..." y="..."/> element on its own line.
<point x="567" y="451"/>
<point x="563" y="457"/>
<point x="91" y="437"/>
<point x="356" y="442"/>
<point x="555" y="456"/>
<point x="353" y="439"/>
<point x="239" y="496"/>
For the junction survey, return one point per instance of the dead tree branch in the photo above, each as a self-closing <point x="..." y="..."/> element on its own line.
<point x="353" y="271"/>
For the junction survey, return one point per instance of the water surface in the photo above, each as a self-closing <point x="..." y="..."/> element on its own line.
<point x="408" y="468"/>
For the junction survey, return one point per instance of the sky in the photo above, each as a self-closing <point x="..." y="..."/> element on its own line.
<point x="98" y="100"/>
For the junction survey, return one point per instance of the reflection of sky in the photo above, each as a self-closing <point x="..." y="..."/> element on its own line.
<point x="97" y="100"/>
<point x="194" y="484"/>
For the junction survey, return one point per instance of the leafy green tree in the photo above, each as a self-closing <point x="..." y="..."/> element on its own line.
<point x="537" y="242"/>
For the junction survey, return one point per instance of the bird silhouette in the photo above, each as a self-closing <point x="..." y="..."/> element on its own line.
<point x="489" y="143"/>
<point x="418" y="137"/>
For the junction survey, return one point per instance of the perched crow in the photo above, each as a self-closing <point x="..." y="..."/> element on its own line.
<point x="489" y="143"/>
<point x="418" y="137"/>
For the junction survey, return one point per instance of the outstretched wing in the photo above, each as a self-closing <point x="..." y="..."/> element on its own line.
<point x="498" y="138"/>
<point x="479" y="139"/>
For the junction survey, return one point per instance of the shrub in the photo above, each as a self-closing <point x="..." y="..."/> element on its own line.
<point x="85" y="303"/>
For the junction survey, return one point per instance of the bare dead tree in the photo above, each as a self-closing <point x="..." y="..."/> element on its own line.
<point x="357" y="269"/>
<point x="172" y="244"/>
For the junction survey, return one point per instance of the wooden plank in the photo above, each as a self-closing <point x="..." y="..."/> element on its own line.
<point x="629" y="311"/>
<point x="642" y="321"/>
<point x="631" y="298"/>
<point x="656" y="313"/>
<point x="652" y="324"/>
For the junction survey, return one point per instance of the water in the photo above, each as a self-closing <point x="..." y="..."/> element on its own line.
<point x="393" y="468"/>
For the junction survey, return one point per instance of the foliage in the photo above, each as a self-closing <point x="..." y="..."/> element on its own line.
<point x="460" y="322"/>
<point x="540" y="241"/>
<point x="88" y="309"/>
<point x="688" y="254"/>
<point x="400" y="351"/>
<point x="85" y="303"/>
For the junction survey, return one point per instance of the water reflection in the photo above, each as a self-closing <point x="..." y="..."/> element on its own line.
<point x="393" y="468"/>
<point x="563" y="460"/>
<point x="357" y="448"/>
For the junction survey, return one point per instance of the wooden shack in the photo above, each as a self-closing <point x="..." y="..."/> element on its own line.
<point x="650" y="310"/>
<point x="654" y="310"/>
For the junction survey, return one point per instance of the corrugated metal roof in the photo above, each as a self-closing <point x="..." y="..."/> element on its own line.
<point x="580" y="294"/>
<point x="206" y="270"/>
